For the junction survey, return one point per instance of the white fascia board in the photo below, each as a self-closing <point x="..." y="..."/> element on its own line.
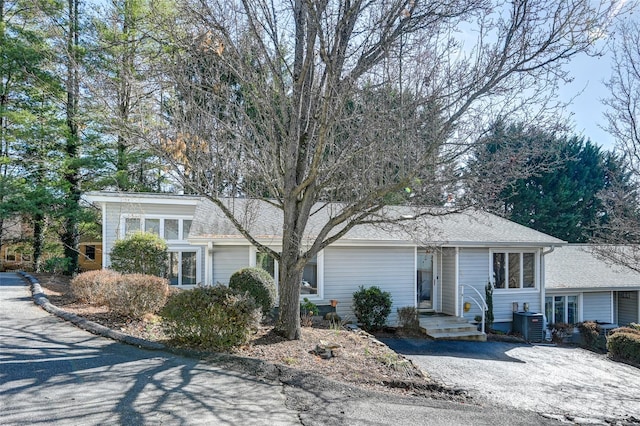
<point x="497" y="244"/>
<point x="565" y="290"/>
<point x="123" y="198"/>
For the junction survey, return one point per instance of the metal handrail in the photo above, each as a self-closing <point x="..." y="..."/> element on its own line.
<point x="483" y="307"/>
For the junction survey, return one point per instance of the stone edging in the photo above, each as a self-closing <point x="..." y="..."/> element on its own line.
<point x="40" y="299"/>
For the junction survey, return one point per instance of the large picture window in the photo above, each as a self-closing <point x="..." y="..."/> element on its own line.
<point x="513" y="270"/>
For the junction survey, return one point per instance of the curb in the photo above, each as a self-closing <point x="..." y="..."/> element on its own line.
<point x="40" y="299"/>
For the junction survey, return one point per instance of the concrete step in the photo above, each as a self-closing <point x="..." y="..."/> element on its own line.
<point x="460" y="335"/>
<point x="450" y="328"/>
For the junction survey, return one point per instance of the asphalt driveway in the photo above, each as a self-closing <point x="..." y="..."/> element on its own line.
<point x="559" y="381"/>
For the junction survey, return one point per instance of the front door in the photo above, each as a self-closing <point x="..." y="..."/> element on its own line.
<point x="425" y="280"/>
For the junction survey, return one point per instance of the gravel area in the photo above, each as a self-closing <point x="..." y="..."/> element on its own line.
<point x="561" y="382"/>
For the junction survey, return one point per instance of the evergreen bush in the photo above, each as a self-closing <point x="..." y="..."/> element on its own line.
<point x="140" y="253"/>
<point x="372" y="307"/>
<point x="624" y="344"/>
<point x="259" y="284"/>
<point x="216" y="317"/>
<point x="592" y="339"/>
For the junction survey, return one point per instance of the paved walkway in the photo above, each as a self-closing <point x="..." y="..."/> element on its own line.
<point x="565" y="381"/>
<point x="54" y="373"/>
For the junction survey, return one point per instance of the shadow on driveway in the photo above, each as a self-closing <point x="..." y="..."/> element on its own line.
<point x="493" y="351"/>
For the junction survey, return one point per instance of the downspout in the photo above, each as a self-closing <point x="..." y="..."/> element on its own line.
<point x="543" y="283"/>
<point x="457" y="285"/>
<point x="104" y="235"/>
<point x="208" y="264"/>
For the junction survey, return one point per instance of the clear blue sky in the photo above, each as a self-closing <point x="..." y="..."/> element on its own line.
<point x="587" y="109"/>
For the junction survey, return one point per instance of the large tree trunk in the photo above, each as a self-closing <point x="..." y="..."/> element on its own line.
<point x="71" y="234"/>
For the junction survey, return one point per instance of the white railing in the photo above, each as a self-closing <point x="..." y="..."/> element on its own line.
<point x="482" y="304"/>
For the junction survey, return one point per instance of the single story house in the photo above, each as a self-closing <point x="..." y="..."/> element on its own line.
<point x="581" y="286"/>
<point x="436" y="263"/>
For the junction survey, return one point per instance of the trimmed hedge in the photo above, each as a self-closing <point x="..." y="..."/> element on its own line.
<point x="624" y="344"/>
<point x="140" y="253"/>
<point x="137" y="295"/>
<point x="591" y="336"/>
<point x="94" y="287"/>
<point x="130" y="295"/>
<point x="259" y="284"/>
<point x="217" y="317"/>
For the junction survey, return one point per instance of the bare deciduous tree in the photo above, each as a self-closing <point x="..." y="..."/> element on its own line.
<point x="364" y="103"/>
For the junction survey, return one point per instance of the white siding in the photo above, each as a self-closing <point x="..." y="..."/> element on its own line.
<point x="448" y="275"/>
<point x="227" y="260"/>
<point x="474" y="272"/>
<point x="390" y="268"/>
<point x="628" y="308"/>
<point x="597" y="306"/>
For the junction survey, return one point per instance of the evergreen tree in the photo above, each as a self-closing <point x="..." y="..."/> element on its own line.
<point x="563" y="179"/>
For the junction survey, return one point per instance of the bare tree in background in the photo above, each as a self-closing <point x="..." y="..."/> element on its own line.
<point x="622" y="233"/>
<point x="365" y="103"/>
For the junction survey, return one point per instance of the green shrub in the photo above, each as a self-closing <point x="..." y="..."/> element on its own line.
<point x="408" y="318"/>
<point x="488" y="316"/>
<point x="372" y="307"/>
<point x="57" y="265"/>
<point x="591" y="336"/>
<point x="624" y="345"/>
<point x="94" y="287"/>
<point x="217" y="317"/>
<point x="137" y="295"/>
<point x="140" y="253"/>
<point x="634" y="326"/>
<point x="259" y="284"/>
<point x="307" y="310"/>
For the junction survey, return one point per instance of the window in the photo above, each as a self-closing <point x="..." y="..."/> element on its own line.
<point x="186" y="228"/>
<point x="183" y="267"/>
<point x="171" y="227"/>
<point x="10" y="255"/>
<point x="90" y="252"/>
<point x="561" y="309"/>
<point x="513" y="270"/>
<point x="152" y="226"/>
<point x="266" y="262"/>
<point x="311" y="285"/>
<point x="131" y="225"/>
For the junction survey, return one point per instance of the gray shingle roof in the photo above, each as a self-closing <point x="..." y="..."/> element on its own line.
<point x="578" y="267"/>
<point x="264" y="221"/>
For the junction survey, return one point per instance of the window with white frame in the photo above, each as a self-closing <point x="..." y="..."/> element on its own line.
<point x="513" y="269"/>
<point x="560" y="309"/>
<point x="183" y="267"/>
<point x="311" y="285"/>
<point x="171" y="229"/>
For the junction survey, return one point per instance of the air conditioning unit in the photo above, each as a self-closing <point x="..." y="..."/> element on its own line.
<point x="530" y="325"/>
